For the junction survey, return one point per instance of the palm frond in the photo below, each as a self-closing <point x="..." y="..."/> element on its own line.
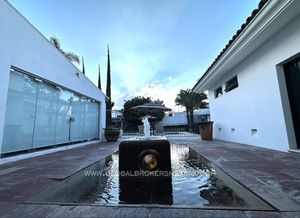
<point x="191" y="100"/>
<point x="54" y="41"/>
<point x="72" y="57"/>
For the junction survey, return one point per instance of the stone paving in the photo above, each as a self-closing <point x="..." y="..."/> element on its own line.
<point x="272" y="175"/>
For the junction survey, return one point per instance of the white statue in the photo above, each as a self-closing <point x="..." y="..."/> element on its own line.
<point x="146" y="125"/>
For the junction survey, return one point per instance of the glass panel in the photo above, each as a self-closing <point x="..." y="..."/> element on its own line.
<point x="88" y="120"/>
<point x="95" y="107"/>
<point x="20" y="112"/>
<point x="78" y="116"/>
<point x="63" y="117"/>
<point x="218" y="92"/>
<point x="231" y="84"/>
<point x="45" y="119"/>
<point x="91" y="120"/>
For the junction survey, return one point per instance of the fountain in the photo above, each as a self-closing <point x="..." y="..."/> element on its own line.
<point x="145" y="177"/>
<point x="146" y="125"/>
<point x="145" y="171"/>
<point x="145" y="160"/>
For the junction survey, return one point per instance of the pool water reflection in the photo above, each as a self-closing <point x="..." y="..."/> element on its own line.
<point x="194" y="182"/>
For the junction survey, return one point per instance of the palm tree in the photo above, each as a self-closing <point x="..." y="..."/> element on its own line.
<point x="191" y="101"/>
<point x="70" y="55"/>
<point x="197" y="102"/>
<point x="183" y="100"/>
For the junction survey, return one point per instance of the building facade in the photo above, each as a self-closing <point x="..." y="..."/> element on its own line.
<point x="180" y="119"/>
<point x="117" y="118"/>
<point x="254" y="84"/>
<point x="44" y="99"/>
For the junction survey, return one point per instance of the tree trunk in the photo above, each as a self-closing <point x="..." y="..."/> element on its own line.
<point x="192" y="119"/>
<point x="108" y="113"/>
<point x="188" y="118"/>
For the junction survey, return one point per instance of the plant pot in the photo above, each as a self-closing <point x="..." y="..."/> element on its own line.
<point x="111" y="136"/>
<point x="206" y="130"/>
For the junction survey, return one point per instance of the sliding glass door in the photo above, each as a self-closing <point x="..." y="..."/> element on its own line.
<point x="20" y="113"/>
<point x="40" y="114"/>
<point x="63" y="119"/>
<point x="91" y="127"/>
<point x="77" y="119"/>
<point x="45" y="118"/>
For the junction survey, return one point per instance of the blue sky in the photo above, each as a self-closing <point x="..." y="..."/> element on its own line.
<point x="157" y="47"/>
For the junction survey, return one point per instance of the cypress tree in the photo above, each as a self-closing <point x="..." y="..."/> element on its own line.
<point x="108" y="92"/>
<point x="83" y="70"/>
<point x="99" y="78"/>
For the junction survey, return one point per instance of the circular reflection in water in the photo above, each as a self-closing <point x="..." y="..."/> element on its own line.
<point x="148" y="160"/>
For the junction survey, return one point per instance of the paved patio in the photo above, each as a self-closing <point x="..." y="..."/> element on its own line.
<point x="272" y="175"/>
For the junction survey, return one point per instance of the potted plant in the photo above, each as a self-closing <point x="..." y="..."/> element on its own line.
<point x="111" y="134"/>
<point x="206" y="130"/>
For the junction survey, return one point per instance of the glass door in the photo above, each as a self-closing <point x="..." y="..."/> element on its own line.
<point x="62" y="131"/>
<point x="91" y="120"/>
<point x="40" y="114"/>
<point x="77" y="118"/>
<point x="45" y="119"/>
<point x="95" y="123"/>
<point x="88" y="120"/>
<point x="20" y="113"/>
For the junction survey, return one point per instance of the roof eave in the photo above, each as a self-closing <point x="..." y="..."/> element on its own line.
<point x="273" y="16"/>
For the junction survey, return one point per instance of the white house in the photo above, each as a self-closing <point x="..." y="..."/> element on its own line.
<point x="179" y="118"/>
<point x="44" y="99"/>
<point x="254" y="84"/>
<point x="116" y="118"/>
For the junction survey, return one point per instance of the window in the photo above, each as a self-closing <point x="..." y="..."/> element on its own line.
<point x="218" y="92"/>
<point x="233" y="131"/>
<point x="231" y="84"/>
<point x="254" y="132"/>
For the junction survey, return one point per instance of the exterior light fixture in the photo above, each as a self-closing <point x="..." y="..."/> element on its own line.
<point x="38" y="80"/>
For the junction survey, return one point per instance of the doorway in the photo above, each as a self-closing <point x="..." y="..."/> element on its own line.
<point x="292" y="78"/>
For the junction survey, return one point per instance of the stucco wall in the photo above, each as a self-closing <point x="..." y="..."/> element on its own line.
<point x="179" y="118"/>
<point x="257" y="103"/>
<point x="22" y="46"/>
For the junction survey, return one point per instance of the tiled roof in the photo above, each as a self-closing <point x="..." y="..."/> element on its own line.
<point x="243" y="26"/>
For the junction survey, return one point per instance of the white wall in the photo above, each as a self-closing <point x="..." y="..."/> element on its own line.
<point x="179" y="118"/>
<point x="22" y="46"/>
<point x="256" y="103"/>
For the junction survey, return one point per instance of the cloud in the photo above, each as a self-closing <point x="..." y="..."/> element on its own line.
<point x="120" y="99"/>
<point x="155" y="90"/>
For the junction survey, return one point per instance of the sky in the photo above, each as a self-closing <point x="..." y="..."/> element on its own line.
<point x="157" y="47"/>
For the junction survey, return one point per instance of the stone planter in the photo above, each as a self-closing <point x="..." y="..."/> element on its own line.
<point x="111" y="135"/>
<point x="206" y="130"/>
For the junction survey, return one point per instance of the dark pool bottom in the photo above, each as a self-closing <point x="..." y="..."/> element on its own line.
<point x="194" y="182"/>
